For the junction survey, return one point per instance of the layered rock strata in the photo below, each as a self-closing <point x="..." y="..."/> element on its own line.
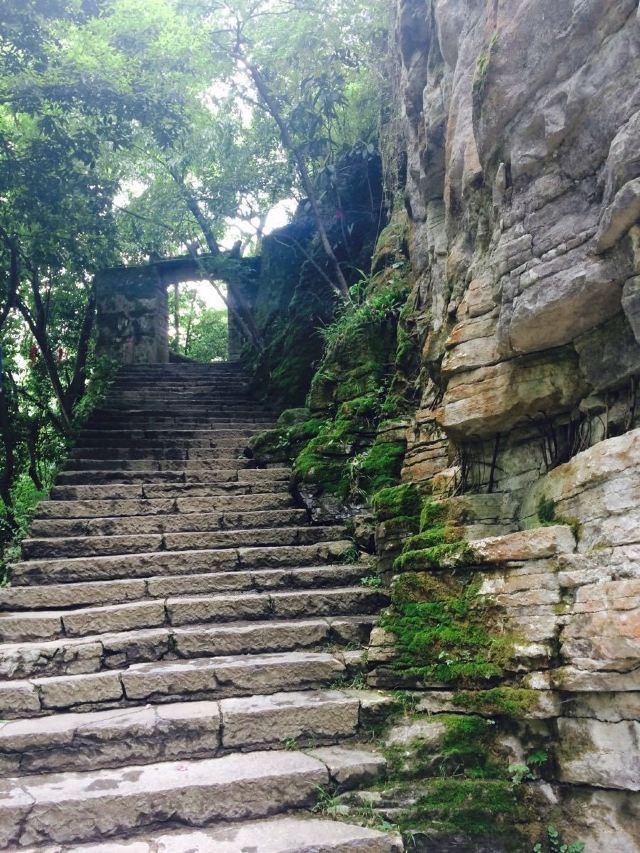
<point x="520" y="124"/>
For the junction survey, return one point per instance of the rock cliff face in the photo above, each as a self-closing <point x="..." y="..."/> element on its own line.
<point x="521" y="122"/>
<point x="502" y="398"/>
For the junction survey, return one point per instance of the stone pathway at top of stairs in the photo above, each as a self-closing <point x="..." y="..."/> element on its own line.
<point x="177" y="641"/>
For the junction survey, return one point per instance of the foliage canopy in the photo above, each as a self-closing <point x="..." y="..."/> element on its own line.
<point x="135" y="129"/>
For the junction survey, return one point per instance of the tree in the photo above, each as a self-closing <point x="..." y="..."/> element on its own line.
<point x="202" y="332"/>
<point x="299" y="62"/>
<point x="132" y="129"/>
<point x="65" y="113"/>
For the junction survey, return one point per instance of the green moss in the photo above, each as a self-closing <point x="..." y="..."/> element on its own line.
<point x="445" y="555"/>
<point x="477" y="807"/>
<point x="466" y="747"/>
<point x="267" y="441"/>
<point x="434" y="536"/>
<point x="407" y="347"/>
<point x="433" y="514"/>
<point x="547" y="516"/>
<point x="355" y="386"/>
<point x="443" y="630"/>
<point x="292" y="417"/>
<point x="381" y="466"/>
<point x="365" y="406"/>
<point x="394" y="406"/>
<point x="547" y="510"/>
<point x="482" y="67"/>
<point x="401" y="526"/>
<point x="328" y="473"/>
<point x="284" y="442"/>
<point x="509" y="701"/>
<point x="391" y="240"/>
<point x="436" y="546"/>
<point x="393" y="501"/>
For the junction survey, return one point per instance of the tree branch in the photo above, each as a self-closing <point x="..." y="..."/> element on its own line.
<point x="274" y="110"/>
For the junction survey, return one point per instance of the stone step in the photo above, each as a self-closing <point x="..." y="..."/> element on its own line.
<point x="192" y="475"/>
<point x="176" y="398"/>
<point x="176" y="611"/>
<point x="146" y="452"/>
<point x="161" y="381"/>
<point x="186" y="421"/>
<point x="98" y="593"/>
<point x="192" y="408"/>
<point x="158" y="436"/>
<point x="126" y="478"/>
<point x="90" y="546"/>
<point x="69" y="656"/>
<point x="119" y="444"/>
<point x="211" y="463"/>
<point x="182" y="730"/>
<point x="106" y="419"/>
<point x="275" y="835"/>
<point x="144" y="491"/>
<point x="76" y="807"/>
<point x="120" y="507"/>
<point x="230" y="384"/>
<point x="171" y="680"/>
<point x="175" y="522"/>
<point x="329" y="550"/>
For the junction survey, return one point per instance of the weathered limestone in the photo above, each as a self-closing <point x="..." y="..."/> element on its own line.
<point x="82" y="806"/>
<point x="599" y="487"/>
<point x="520" y="130"/>
<point x="187" y="610"/>
<point x="268" y="836"/>
<point x="184" y="730"/>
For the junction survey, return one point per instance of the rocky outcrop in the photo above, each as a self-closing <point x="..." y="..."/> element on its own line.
<point x="522" y="193"/>
<point x="520" y="124"/>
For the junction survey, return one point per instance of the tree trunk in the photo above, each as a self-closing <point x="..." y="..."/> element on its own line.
<point x="38" y="327"/>
<point x="77" y="386"/>
<point x="14" y="281"/>
<point x="263" y="90"/>
<point x="33" y="433"/>
<point x="9" y="442"/>
<point x="246" y="323"/>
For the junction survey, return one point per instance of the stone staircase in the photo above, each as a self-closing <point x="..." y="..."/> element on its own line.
<point x="175" y="643"/>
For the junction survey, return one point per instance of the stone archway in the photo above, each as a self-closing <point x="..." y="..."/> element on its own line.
<point x="132" y="304"/>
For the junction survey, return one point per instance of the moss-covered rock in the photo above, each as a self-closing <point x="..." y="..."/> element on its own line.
<point x="346" y="454"/>
<point x="477" y="807"/>
<point x="402" y="500"/>
<point x="445" y="633"/>
<point x="381" y="466"/>
<point x="508" y="701"/>
<point x="442" y="555"/>
<point x="283" y="443"/>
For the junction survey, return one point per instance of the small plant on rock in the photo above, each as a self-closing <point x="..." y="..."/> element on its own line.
<point x="555" y="844"/>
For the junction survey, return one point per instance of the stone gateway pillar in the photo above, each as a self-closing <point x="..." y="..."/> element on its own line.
<point x="132" y="305"/>
<point x="132" y="315"/>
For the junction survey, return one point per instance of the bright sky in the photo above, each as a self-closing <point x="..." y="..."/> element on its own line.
<point x="278" y="216"/>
